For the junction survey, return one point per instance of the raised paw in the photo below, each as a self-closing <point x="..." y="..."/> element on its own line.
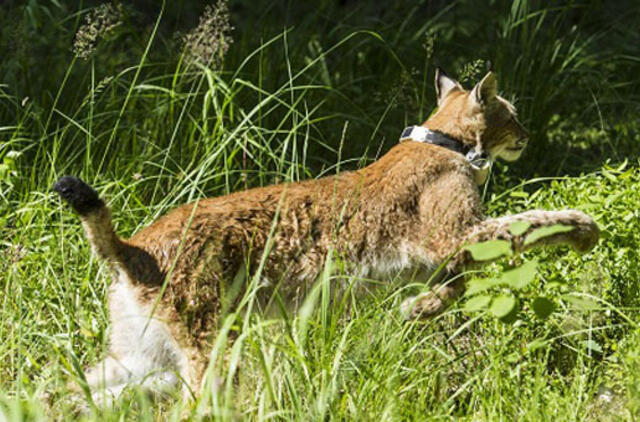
<point x="586" y="232"/>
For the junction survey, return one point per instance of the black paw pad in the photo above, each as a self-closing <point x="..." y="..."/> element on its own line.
<point x="82" y="197"/>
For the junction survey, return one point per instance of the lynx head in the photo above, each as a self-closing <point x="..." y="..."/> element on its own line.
<point x="480" y="118"/>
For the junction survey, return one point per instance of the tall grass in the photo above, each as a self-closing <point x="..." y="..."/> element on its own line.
<point x="294" y="100"/>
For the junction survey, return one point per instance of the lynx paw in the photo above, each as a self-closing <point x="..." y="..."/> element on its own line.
<point x="586" y="232"/>
<point x="424" y="306"/>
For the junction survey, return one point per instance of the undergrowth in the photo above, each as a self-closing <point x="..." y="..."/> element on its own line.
<point x="153" y="125"/>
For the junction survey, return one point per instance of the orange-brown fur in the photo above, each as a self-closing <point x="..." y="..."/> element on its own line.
<point x="415" y="207"/>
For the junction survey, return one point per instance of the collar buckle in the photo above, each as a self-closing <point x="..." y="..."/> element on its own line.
<point x="478" y="160"/>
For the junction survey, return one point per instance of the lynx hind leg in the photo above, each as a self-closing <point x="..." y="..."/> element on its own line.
<point x="143" y="351"/>
<point x="108" y="379"/>
<point x="156" y="385"/>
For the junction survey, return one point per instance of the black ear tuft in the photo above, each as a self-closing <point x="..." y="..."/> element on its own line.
<point x="82" y="197"/>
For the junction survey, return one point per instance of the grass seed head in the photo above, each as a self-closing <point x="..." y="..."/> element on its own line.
<point x="98" y="23"/>
<point x="210" y="40"/>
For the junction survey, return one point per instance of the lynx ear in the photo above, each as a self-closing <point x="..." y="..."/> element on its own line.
<point x="444" y="85"/>
<point x="486" y="90"/>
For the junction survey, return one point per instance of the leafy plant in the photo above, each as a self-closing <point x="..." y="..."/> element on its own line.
<point x="505" y="295"/>
<point x="8" y="168"/>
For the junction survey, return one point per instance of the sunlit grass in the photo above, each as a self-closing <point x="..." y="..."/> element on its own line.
<point x="155" y="134"/>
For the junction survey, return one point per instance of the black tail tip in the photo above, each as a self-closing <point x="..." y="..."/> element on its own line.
<point x="82" y="197"/>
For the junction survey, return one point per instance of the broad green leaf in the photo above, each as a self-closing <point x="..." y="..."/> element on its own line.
<point x="478" y="285"/>
<point x="543" y="232"/>
<point x="542" y="307"/>
<point x="502" y="305"/>
<point x="582" y="303"/>
<point x="521" y="276"/>
<point x="491" y="249"/>
<point x="592" y="345"/>
<point x="477" y="303"/>
<point x="518" y="228"/>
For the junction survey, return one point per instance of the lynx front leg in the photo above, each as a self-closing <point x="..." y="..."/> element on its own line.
<point x="429" y="304"/>
<point x="582" y="238"/>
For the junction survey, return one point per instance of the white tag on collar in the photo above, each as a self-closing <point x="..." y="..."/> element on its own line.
<point x="415" y="133"/>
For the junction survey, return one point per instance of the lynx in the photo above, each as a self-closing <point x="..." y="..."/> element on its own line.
<point x="413" y="209"/>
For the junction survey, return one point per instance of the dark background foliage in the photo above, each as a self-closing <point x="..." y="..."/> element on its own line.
<point x="565" y="61"/>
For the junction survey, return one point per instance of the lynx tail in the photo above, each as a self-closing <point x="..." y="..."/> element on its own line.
<point x="95" y="217"/>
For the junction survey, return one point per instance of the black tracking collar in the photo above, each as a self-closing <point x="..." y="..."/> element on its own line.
<point x="478" y="160"/>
